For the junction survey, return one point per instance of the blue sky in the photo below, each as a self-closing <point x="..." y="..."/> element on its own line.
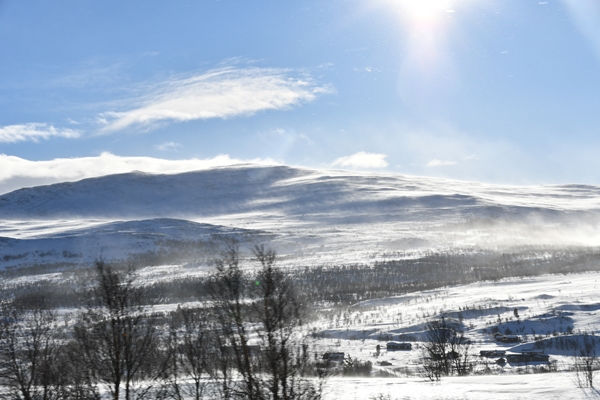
<point x="504" y="91"/>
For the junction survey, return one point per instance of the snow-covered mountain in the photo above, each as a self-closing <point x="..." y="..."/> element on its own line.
<point x="309" y="216"/>
<point x="174" y="225"/>
<point x="280" y="189"/>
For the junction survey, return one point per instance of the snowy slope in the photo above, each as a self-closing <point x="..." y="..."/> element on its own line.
<point x="548" y="307"/>
<point x="244" y="189"/>
<point x="316" y="217"/>
<point x="311" y="216"/>
<point x="116" y="241"/>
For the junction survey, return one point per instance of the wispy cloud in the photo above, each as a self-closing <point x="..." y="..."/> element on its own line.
<point x="362" y="160"/>
<point x="34" y="132"/>
<point x="440" y="163"/>
<point x="168" y="146"/>
<point x="220" y="93"/>
<point x="17" y="172"/>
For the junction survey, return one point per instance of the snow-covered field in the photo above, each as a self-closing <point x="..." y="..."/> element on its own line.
<point x="316" y="218"/>
<point x="554" y="386"/>
<point x="547" y="305"/>
<point x="551" y="308"/>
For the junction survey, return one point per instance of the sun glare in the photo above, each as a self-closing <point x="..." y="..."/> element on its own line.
<point x="427" y="26"/>
<point x="424" y="11"/>
<point x="426" y="23"/>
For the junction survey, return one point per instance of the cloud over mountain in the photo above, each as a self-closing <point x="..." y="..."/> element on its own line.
<point x="17" y="172"/>
<point x="362" y="160"/>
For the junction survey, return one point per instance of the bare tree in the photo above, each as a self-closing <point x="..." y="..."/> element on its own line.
<point x="29" y="354"/>
<point x="275" y="365"/>
<point x="280" y="312"/>
<point x="189" y="349"/>
<point x="116" y="339"/>
<point x="80" y="383"/>
<point x="587" y="363"/>
<point x="229" y="290"/>
<point x="445" y="350"/>
<point x="462" y="361"/>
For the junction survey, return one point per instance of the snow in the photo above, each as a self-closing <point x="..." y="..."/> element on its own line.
<point x="85" y="241"/>
<point x="540" y="302"/>
<point x="315" y="217"/>
<point x="476" y="308"/>
<point x="547" y="305"/>
<point x="500" y="387"/>
<point x="311" y="217"/>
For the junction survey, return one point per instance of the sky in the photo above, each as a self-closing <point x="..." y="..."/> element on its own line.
<point x="499" y="91"/>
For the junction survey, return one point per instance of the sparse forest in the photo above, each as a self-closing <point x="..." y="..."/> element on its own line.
<point x="242" y="344"/>
<point x="239" y="332"/>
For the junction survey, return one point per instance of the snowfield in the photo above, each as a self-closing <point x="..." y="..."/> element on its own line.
<point x="173" y="226"/>
<point x="312" y="217"/>
<point x="554" y="386"/>
<point x="547" y="305"/>
<point x="552" y="308"/>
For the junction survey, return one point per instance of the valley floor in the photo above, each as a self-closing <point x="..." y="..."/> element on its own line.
<point x="547" y="386"/>
<point x="552" y="309"/>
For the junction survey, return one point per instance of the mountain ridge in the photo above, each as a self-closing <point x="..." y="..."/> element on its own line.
<point x="308" y="216"/>
<point x="241" y="189"/>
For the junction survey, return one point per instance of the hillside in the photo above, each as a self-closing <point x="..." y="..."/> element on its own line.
<point x="293" y="191"/>
<point x="385" y="254"/>
<point x="316" y="216"/>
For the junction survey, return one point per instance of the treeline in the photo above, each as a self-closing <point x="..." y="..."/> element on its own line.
<point x="242" y="344"/>
<point x="72" y="289"/>
<point x="350" y="283"/>
<point x="340" y="284"/>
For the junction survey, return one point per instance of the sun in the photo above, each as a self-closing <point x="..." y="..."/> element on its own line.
<point x="427" y="28"/>
<point x="426" y="25"/>
<point x="424" y="11"/>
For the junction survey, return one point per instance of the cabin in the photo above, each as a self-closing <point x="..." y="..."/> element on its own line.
<point x="451" y="355"/>
<point x="492" y="353"/>
<point x="393" y="346"/>
<point x="337" y="357"/>
<point x="532" y="351"/>
<point x="508" y="339"/>
<point x="528" y="356"/>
